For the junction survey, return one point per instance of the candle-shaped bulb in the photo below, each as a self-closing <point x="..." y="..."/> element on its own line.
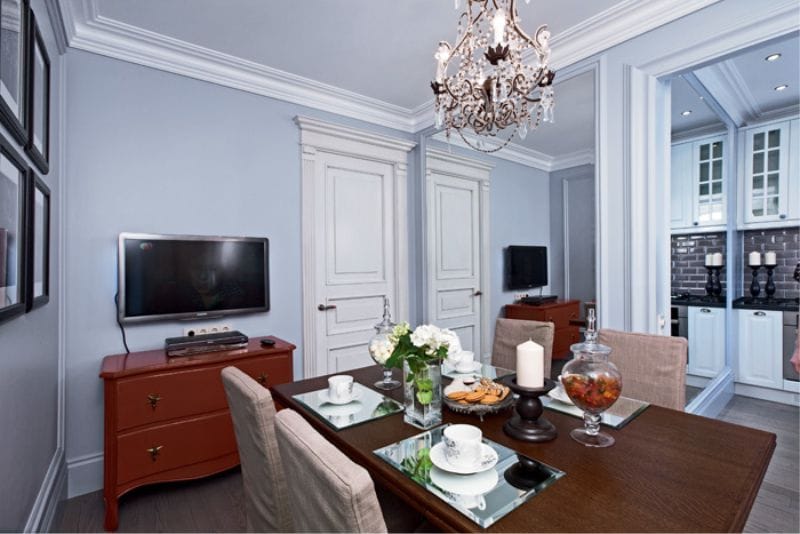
<point x="499" y="26"/>
<point x="442" y="55"/>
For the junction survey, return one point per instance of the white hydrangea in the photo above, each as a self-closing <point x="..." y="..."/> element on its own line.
<point x="425" y="334"/>
<point x="453" y="343"/>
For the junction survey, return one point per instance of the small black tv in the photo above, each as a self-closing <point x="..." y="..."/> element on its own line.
<point x="526" y="267"/>
<point x="164" y="277"/>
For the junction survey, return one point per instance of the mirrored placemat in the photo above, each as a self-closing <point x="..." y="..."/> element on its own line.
<point x="483" y="497"/>
<point x="479" y="370"/>
<point x="620" y="414"/>
<point x="366" y="405"/>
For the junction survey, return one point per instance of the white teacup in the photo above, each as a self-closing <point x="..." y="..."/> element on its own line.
<point x="466" y="361"/>
<point x="340" y="388"/>
<point x="470" y="501"/>
<point x="462" y="445"/>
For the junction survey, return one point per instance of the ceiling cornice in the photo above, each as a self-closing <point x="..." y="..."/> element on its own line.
<point x="86" y="29"/>
<point x="729" y="89"/>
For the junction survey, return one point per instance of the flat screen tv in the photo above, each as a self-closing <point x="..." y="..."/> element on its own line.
<point x="191" y="277"/>
<point x="526" y="267"/>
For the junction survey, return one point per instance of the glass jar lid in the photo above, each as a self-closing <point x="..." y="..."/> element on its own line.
<point x="590" y="348"/>
<point x="386" y="325"/>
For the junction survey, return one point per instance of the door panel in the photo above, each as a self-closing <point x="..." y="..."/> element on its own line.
<point x="354" y="242"/>
<point x="454" y="248"/>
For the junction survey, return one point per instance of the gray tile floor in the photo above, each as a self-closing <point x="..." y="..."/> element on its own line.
<point x="215" y="504"/>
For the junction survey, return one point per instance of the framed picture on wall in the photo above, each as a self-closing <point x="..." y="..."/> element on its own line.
<point x="38" y="147"/>
<point x="38" y="232"/>
<point x="13" y="205"/>
<point x="14" y="67"/>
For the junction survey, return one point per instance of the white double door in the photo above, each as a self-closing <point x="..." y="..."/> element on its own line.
<point x="354" y="229"/>
<point x="457" y="240"/>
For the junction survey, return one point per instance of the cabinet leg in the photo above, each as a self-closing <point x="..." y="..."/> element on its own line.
<point x="112" y="513"/>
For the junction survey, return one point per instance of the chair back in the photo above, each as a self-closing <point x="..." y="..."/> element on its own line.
<point x="653" y="367"/>
<point x="508" y="333"/>
<point x="328" y="492"/>
<point x="253" y="414"/>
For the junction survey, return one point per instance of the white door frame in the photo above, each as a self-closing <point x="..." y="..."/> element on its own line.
<point x="319" y="136"/>
<point x="447" y="164"/>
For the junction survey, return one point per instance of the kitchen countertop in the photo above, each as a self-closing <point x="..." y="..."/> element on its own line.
<point x="687" y="299"/>
<point x="762" y="303"/>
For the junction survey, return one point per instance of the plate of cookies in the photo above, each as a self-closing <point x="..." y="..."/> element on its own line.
<point x="478" y="397"/>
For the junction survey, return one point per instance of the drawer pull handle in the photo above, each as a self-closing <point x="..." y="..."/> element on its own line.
<point x="153" y="399"/>
<point x="155" y="451"/>
<point x="262" y="379"/>
<point x="705" y="310"/>
<point x="760" y="314"/>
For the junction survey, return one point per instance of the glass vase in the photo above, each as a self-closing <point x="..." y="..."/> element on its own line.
<point x="380" y="348"/>
<point x="594" y="384"/>
<point x="423" y="396"/>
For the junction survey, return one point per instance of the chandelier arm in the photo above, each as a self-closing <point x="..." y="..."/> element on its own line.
<point x="474" y="147"/>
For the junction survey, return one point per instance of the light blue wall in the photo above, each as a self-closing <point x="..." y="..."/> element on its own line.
<point x="156" y="152"/>
<point x="29" y="353"/>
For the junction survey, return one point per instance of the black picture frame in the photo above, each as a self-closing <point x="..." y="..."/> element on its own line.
<point x="38" y="142"/>
<point x="14" y="49"/>
<point x="13" y="212"/>
<point x="38" y="232"/>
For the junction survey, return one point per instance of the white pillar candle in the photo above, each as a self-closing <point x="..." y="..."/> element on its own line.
<point x="755" y="259"/>
<point x="530" y="365"/>
<point x="709" y="260"/>
<point x="770" y="259"/>
<point x="716" y="260"/>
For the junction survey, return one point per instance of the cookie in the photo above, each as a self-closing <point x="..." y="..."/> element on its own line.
<point x="475" y="396"/>
<point x="490" y="399"/>
<point x="458" y="395"/>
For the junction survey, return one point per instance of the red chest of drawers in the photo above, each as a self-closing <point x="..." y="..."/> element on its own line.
<point x="167" y="419"/>
<point x="560" y="313"/>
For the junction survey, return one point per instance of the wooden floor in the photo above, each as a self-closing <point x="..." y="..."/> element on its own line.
<point x="215" y="504"/>
<point x="777" y="506"/>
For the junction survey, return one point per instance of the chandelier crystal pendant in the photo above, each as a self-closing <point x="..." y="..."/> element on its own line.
<point x="502" y="83"/>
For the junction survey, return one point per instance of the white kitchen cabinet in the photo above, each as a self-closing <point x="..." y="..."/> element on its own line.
<point x="760" y="348"/>
<point x="698" y="184"/>
<point x="770" y="175"/>
<point x="706" y="341"/>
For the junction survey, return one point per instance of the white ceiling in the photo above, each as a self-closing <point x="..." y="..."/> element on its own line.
<point x="744" y="85"/>
<point x="367" y="59"/>
<point x="379" y="49"/>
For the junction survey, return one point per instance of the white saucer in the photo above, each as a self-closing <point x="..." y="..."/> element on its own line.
<point x="324" y="397"/>
<point x="488" y="460"/>
<point x="476" y="366"/>
<point x="476" y="484"/>
<point x="560" y="395"/>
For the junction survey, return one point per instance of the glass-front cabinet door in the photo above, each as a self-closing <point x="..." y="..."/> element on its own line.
<point x="709" y="183"/>
<point x="766" y="173"/>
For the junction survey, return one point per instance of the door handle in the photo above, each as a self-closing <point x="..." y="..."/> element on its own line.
<point x="478" y="293"/>
<point x="323" y="307"/>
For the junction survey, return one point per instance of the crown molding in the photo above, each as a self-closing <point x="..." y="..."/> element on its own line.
<point x="707" y="130"/>
<point x="615" y="25"/>
<point x="573" y="159"/>
<point x="85" y="29"/>
<point x="724" y="82"/>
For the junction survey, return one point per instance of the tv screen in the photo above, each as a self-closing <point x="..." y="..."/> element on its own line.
<point x="526" y="267"/>
<point x="185" y="277"/>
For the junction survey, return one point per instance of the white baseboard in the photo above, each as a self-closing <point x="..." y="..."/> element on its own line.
<point x="85" y="474"/>
<point x="772" y="395"/>
<point x="50" y="494"/>
<point x="713" y="399"/>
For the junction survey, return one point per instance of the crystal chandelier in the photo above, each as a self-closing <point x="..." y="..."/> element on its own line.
<point x="494" y="87"/>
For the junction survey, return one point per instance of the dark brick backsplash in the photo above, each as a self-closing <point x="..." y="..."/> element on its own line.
<point x="689" y="273"/>
<point x="785" y="242"/>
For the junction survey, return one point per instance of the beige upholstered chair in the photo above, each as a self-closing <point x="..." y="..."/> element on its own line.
<point x="253" y="413"/>
<point x="653" y="367"/>
<point x="508" y="333"/>
<point x="328" y="492"/>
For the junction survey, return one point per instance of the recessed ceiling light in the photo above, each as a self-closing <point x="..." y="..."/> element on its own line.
<point x="781" y="87"/>
<point x="772" y="57"/>
<point x="686" y="113"/>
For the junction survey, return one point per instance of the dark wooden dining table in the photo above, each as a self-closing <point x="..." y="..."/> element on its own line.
<point x="668" y="471"/>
